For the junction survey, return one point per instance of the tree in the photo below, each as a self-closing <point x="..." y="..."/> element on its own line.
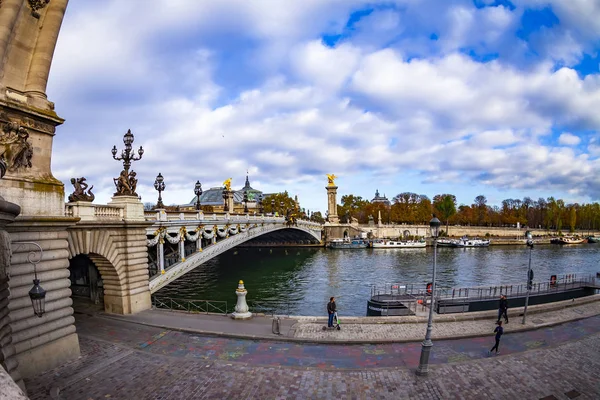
<point x="446" y="206"/>
<point x="480" y="205"/>
<point x="279" y="202"/>
<point x="317" y="217"/>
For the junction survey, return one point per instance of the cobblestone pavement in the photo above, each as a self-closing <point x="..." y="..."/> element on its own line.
<point x="127" y="361"/>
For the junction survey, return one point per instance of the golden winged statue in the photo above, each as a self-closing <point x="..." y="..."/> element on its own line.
<point x="330" y="179"/>
<point x="227" y="184"/>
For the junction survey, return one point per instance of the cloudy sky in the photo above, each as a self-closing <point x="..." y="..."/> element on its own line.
<point x="469" y="97"/>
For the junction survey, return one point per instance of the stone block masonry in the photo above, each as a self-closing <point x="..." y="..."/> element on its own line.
<point x="42" y="343"/>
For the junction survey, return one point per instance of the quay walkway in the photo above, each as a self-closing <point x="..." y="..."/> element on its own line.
<point x="168" y="355"/>
<point x="369" y="329"/>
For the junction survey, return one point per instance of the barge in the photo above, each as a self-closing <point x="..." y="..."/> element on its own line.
<point x="397" y="299"/>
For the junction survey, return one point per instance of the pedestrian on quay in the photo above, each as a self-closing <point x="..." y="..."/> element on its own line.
<point x="502" y="309"/>
<point x="499" y="331"/>
<point x="331" y="311"/>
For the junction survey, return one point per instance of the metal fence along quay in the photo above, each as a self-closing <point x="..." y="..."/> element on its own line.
<point x="191" y="306"/>
<point x="561" y="283"/>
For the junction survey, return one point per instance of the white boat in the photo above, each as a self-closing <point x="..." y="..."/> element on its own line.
<point x="446" y="242"/>
<point x="466" y="242"/>
<point x="389" y="244"/>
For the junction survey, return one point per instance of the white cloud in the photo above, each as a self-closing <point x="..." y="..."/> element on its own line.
<point x="308" y="109"/>
<point x="568" y="139"/>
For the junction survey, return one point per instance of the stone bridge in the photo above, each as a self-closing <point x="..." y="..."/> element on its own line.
<point x="119" y="238"/>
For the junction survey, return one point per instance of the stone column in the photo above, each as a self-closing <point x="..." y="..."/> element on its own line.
<point x="182" y="249"/>
<point x="37" y="78"/>
<point x="241" y="308"/>
<point x="161" y="255"/>
<point x="8" y="360"/>
<point x="332" y="204"/>
<point x="228" y="198"/>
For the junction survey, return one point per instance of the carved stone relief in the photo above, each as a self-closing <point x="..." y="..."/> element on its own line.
<point x="15" y="151"/>
<point x="37" y="5"/>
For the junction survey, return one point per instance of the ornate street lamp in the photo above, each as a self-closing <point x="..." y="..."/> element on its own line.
<point x="37" y="294"/>
<point x="127" y="182"/>
<point x="261" y="209"/>
<point x="529" y="275"/>
<point x="246" y="201"/>
<point x="198" y="193"/>
<point x="159" y="184"/>
<point x="423" y="369"/>
<point x="273" y="207"/>
<point x="281" y="205"/>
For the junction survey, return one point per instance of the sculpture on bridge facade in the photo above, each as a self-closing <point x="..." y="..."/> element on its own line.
<point x="331" y="179"/>
<point x="80" y="191"/>
<point x="15" y="150"/>
<point x="127" y="181"/>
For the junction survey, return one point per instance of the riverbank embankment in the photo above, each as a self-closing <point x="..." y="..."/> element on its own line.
<point x="368" y="329"/>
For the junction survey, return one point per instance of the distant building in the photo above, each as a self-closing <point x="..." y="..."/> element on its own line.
<point x="380" y="199"/>
<point x="214" y="197"/>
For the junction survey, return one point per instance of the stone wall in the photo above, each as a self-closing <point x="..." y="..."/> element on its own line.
<point x="120" y="253"/>
<point x="46" y="342"/>
<point x="394" y="231"/>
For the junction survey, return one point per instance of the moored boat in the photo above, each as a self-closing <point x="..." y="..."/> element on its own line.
<point x="466" y="242"/>
<point x="567" y="240"/>
<point x="393" y="244"/>
<point x="348" y="244"/>
<point x="593" y="239"/>
<point x="446" y="242"/>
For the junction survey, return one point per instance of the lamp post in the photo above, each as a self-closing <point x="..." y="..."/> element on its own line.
<point x="226" y="206"/>
<point x="37" y="294"/>
<point x="159" y="184"/>
<point x="529" y="274"/>
<point x="273" y="207"/>
<point x="245" y="202"/>
<point x="281" y="205"/>
<point x="127" y="156"/>
<point x="423" y="369"/>
<point x="261" y="209"/>
<point x="198" y="193"/>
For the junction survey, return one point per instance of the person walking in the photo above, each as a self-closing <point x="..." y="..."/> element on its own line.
<point x="502" y="309"/>
<point x="331" y="311"/>
<point x="499" y="331"/>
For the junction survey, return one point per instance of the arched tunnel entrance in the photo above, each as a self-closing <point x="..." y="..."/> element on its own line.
<point x="86" y="282"/>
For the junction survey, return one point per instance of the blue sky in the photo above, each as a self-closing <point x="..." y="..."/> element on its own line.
<point x="468" y="97"/>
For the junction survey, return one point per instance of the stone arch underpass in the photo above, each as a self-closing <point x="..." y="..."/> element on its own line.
<point x="121" y="256"/>
<point x="298" y="232"/>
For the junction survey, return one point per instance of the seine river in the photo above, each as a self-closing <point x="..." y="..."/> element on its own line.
<point x="299" y="281"/>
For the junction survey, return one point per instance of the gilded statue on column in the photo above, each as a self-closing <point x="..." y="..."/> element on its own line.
<point x="330" y="179"/>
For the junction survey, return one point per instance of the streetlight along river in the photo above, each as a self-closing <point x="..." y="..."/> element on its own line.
<point x="300" y="281"/>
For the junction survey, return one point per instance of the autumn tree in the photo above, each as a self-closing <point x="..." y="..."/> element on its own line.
<point x="445" y="205"/>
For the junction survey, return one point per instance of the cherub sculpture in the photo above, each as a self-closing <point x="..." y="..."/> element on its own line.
<point x="330" y="179"/>
<point x="227" y="184"/>
<point x="80" y="191"/>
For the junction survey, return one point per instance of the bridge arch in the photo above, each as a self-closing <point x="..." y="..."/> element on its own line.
<point x="172" y="273"/>
<point x="121" y="257"/>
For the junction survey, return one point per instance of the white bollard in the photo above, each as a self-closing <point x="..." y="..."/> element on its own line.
<point x="241" y="308"/>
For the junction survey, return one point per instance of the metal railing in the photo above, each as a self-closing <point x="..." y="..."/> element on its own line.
<point x="191" y="305"/>
<point x="419" y="291"/>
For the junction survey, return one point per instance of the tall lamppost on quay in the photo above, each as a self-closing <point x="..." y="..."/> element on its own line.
<point x="423" y="369"/>
<point x="198" y="193"/>
<point x="529" y="275"/>
<point x="127" y="155"/>
<point x="159" y="184"/>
